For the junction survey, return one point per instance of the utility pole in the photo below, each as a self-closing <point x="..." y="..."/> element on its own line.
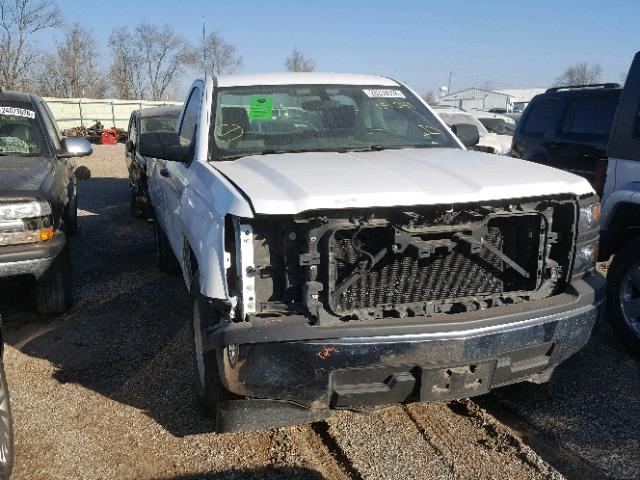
<point x="449" y="84"/>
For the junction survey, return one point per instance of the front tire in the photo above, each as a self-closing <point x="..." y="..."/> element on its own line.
<point x="209" y="387"/>
<point x="51" y="293"/>
<point x="6" y="428"/>
<point x="623" y="296"/>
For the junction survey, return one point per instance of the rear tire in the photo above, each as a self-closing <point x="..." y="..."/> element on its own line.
<point x="167" y="261"/>
<point x="51" y="293"/>
<point x="209" y="387"/>
<point x="6" y="428"/>
<point x="136" y="209"/>
<point x="623" y="296"/>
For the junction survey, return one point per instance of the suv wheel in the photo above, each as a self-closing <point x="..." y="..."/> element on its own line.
<point x="51" y="293"/>
<point x="209" y="387"/>
<point x="167" y="261"/>
<point x="6" y="428"/>
<point x="136" y="209"/>
<point x="624" y="294"/>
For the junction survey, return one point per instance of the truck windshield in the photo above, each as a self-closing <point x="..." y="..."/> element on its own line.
<point x="20" y="133"/>
<point x="291" y="118"/>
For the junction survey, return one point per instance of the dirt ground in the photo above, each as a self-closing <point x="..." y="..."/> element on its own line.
<point x="105" y="392"/>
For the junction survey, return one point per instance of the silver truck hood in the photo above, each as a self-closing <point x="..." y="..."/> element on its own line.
<point x="294" y="182"/>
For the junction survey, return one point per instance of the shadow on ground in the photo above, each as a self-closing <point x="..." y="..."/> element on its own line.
<point x="125" y="337"/>
<point x="584" y="422"/>
<point x="267" y="473"/>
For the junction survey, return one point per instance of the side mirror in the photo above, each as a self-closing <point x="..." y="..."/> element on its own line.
<point x="75" y="147"/>
<point x="467" y="133"/>
<point x="164" y="145"/>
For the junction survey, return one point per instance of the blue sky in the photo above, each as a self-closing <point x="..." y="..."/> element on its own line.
<point x="518" y="43"/>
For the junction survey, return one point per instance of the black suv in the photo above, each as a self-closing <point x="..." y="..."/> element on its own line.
<point x="568" y="128"/>
<point x="38" y="200"/>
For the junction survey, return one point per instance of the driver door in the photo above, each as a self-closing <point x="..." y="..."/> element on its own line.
<point x="173" y="175"/>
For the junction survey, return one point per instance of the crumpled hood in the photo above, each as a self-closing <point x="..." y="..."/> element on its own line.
<point x="23" y="173"/>
<point x="294" y="182"/>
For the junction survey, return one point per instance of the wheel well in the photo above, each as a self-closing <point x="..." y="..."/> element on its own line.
<point x="624" y="226"/>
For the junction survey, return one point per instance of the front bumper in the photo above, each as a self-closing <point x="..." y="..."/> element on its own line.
<point x="360" y="365"/>
<point x="30" y="259"/>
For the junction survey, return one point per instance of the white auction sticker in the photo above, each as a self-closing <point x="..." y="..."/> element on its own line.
<point x="383" y="93"/>
<point x="17" y="112"/>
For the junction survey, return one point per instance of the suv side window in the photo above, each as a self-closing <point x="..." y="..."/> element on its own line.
<point x="190" y="118"/>
<point x="540" y="116"/>
<point x="590" y="116"/>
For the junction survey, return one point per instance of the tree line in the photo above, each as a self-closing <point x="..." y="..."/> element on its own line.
<point x="146" y="62"/>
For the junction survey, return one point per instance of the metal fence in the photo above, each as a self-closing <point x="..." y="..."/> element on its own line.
<point x="84" y="112"/>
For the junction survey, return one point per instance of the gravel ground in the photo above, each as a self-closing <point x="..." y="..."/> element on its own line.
<point x="104" y="392"/>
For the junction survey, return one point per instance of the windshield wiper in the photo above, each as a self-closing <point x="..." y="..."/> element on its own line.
<point x="270" y="151"/>
<point x="370" y="148"/>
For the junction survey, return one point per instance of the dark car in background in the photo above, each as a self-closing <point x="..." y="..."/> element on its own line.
<point x="144" y="121"/>
<point x="568" y="128"/>
<point x="38" y="199"/>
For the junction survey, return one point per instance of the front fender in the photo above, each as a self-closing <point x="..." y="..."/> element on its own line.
<point x="207" y="200"/>
<point x="630" y="193"/>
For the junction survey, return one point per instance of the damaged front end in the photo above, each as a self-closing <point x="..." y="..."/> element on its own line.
<point x="359" y="308"/>
<point x="355" y="265"/>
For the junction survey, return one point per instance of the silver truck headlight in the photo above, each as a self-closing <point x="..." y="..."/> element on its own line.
<point x="586" y="254"/>
<point x="586" y="257"/>
<point x="589" y="217"/>
<point x="25" y="222"/>
<point x="20" y="210"/>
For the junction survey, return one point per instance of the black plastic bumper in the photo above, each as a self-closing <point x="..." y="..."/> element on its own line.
<point x="358" y="365"/>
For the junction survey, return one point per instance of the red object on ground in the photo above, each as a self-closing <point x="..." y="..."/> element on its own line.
<point x="108" y="136"/>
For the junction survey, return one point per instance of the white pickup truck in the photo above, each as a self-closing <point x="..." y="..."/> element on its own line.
<point x="343" y="250"/>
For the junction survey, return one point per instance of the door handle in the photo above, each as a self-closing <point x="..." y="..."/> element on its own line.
<point x="164" y="172"/>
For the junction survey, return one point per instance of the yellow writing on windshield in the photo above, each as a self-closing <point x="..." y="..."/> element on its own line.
<point x="396" y="104"/>
<point x="429" y="130"/>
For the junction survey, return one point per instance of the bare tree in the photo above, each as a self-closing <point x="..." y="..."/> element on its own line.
<point x="430" y="98"/>
<point x="71" y="71"/>
<point x="217" y="56"/>
<point x="126" y="71"/>
<point x="19" y="21"/>
<point x="580" y="74"/>
<point x="299" y="62"/>
<point x="48" y="77"/>
<point x="163" y="53"/>
<point x="487" y="85"/>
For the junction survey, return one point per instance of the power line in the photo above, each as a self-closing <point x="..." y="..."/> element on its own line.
<point x="476" y="79"/>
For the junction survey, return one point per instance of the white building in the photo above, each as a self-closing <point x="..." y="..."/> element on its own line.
<point x="482" y="99"/>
